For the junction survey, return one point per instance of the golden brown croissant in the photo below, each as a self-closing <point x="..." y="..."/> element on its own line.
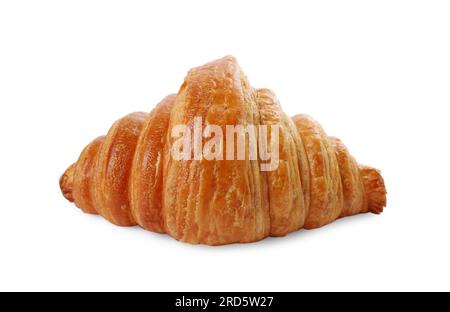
<point x="131" y="178"/>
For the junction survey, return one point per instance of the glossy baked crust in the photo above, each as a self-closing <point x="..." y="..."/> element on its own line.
<point x="130" y="178"/>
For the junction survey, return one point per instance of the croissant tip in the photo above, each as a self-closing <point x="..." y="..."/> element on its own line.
<point x="379" y="198"/>
<point x="375" y="188"/>
<point x="66" y="183"/>
<point x="377" y="207"/>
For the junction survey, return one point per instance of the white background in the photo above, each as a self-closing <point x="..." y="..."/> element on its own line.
<point x="374" y="73"/>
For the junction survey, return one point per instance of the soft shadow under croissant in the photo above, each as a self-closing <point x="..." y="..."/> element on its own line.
<point x="130" y="178"/>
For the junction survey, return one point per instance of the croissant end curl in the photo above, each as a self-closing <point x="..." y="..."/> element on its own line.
<point x="221" y="163"/>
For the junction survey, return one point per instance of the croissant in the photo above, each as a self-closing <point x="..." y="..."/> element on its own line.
<point x="130" y="176"/>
